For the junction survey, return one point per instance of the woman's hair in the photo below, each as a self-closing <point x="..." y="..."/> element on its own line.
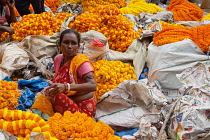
<point x="70" y="31"/>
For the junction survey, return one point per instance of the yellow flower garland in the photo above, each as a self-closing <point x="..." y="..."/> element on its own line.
<point x="9" y="94"/>
<point x="79" y="127"/>
<point x="135" y="7"/>
<point x="108" y="20"/>
<point x="109" y="74"/>
<point x="21" y="123"/>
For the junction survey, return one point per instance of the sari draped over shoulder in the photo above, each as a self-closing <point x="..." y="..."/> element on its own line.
<point x="68" y="73"/>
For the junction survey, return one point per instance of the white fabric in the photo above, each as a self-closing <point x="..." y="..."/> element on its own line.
<point x="164" y="62"/>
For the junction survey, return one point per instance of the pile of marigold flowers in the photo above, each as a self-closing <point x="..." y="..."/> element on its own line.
<point x="135" y="7"/>
<point x="4" y="36"/>
<point x="22" y="123"/>
<point x="52" y="4"/>
<point x="79" y="126"/>
<point x="71" y="1"/>
<point x="90" y="4"/>
<point x="173" y="33"/>
<point x="184" y="10"/>
<point x="38" y="24"/>
<point x="207" y="17"/>
<point x="109" y="74"/>
<point x="9" y="94"/>
<point x="108" y="20"/>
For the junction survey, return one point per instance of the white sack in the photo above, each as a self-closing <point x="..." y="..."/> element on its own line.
<point x="125" y="105"/>
<point x="164" y="62"/>
<point x="41" y="45"/>
<point x="13" y="58"/>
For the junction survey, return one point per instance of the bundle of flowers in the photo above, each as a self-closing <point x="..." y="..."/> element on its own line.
<point x="38" y="24"/>
<point x="207" y="17"/>
<point x="4" y="36"/>
<point x="22" y="123"/>
<point x="9" y="94"/>
<point x="173" y="33"/>
<point x="79" y="126"/>
<point x="90" y="4"/>
<point x="109" y="74"/>
<point x="109" y="21"/>
<point x="135" y="7"/>
<point x="184" y="10"/>
<point x="71" y="1"/>
<point x="52" y="4"/>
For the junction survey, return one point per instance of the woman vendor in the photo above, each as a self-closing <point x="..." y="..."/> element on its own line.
<point x="7" y="14"/>
<point x="73" y="84"/>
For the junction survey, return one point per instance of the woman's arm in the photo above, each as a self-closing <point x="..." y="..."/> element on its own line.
<point x="81" y="89"/>
<point x="6" y="29"/>
<point x="12" y="17"/>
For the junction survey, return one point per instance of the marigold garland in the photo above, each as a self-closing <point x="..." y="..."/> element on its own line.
<point x="52" y="4"/>
<point x="79" y="127"/>
<point x="4" y="36"/>
<point x="173" y="33"/>
<point x="22" y="123"/>
<point x="185" y="11"/>
<point x="9" y="94"/>
<point x="90" y="4"/>
<point x="135" y="7"/>
<point x="71" y="1"/>
<point x="109" y="74"/>
<point x="109" y="21"/>
<point x="38" y="24"/>
<point x="207" y="17"/>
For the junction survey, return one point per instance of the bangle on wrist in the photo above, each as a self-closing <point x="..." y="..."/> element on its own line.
<point x="68" y="87"/>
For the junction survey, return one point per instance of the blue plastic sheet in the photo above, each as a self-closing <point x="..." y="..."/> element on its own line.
<point x="126" y="132"/>
<point x="26" y="99"/>
<point x="35" y="85"/>
<point x="6" y="79"/>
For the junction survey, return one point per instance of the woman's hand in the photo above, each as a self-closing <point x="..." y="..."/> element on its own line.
<point x="56" y="88"/>
<point x="7" y="29"/>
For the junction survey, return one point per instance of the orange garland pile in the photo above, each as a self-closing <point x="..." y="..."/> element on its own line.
<point x="184" y="10"/>
<point x="9" y="94"/>
<point x="79" y="126"/>
<point x="52" y="4"/>
<point x="90" y="4"/>
<point x="109" y="74"/>
<point x="38" y="24"/>
<point x="173" y="33"/>
<point x="22" y="123"/>
<point x="109" y="21"/>
<point x="4" y="36"/>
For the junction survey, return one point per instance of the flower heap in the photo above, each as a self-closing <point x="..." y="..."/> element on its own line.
<point x="135" y="7"/>
<point x="109" y="21"/>
<point x="109" y="74"/>
<point x="90" y="4"/>
<point x="184" y="10"/>
<point x="173" y="33"/>
<point x="22" y="123"/>
<point x="38" y="24"/>
<point x="79" y="126"/>
<point x="71" y="1"/>
<point x="9" y="94"/>
<point x="4" y="36"/>
<point x="52" y="4"/>
<point x="207" y="17"/>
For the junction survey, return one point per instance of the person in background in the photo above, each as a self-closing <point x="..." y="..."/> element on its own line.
<point x="22" y="6"/>
<point x="7" y="14"/>
<point x="73" y="85"/>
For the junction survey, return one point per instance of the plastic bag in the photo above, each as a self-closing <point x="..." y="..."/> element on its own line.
<point x="33" y="84"/>
<point x="26" y="99"/>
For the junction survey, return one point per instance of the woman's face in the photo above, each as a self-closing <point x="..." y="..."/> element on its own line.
<point x="69" y="45"/>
